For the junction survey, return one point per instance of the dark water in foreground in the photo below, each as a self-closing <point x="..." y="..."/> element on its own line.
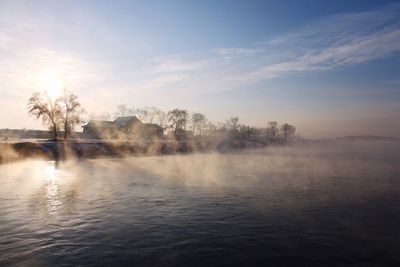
<point x="330" y="205"/>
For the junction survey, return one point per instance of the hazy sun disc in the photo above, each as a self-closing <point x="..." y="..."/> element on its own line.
<point x="52" y="85"/>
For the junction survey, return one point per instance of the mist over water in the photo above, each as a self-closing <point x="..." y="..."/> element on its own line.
<point x="326" y="204"/>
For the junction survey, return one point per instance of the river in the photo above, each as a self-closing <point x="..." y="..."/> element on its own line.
<point x="333" y="204"/>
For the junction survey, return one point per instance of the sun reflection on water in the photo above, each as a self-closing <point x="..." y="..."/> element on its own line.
<point x="52" y="191"/>
<point x="53" y="200"/>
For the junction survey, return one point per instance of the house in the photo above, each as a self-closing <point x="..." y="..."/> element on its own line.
<point x="122" y="127"/>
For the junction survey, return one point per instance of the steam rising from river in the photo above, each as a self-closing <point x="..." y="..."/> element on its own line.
<point x="277" y="167"/>
<point x="108" y="202"/>
<point x="280" y="169"/>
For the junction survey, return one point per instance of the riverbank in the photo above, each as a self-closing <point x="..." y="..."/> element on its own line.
<point x="52" y="150"/>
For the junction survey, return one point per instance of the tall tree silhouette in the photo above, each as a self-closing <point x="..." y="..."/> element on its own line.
<point x="41" y="105"/>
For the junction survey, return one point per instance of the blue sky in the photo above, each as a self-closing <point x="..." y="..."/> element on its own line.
<point x="329" y="67"/>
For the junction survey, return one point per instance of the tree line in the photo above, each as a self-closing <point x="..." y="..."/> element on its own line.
<point x="65" y="113"/>
<point x="180" y="121"/>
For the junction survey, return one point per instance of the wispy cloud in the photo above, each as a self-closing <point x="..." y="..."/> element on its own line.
<point x="327" y="43"/>
<point x="236" y="51"/>
<point x="336" y="41"/>
<point x="358" y="50"/>
<point x="176" y="63"/>
<point x="21" y="73"/>
<point x="160" y="81"/>
<point x="28" y="52"/>
<point x="330" y="42"/>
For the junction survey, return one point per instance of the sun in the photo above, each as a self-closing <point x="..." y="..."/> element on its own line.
<point x="52" y="85"/>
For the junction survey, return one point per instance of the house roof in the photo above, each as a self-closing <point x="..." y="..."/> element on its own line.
<point x="152" y="125"/>
<point x="101" y="124"/>
<point x="120" y="123"/>
<point x="123" y="121"/>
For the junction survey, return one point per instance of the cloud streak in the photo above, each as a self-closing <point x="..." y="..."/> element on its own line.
<point x="176" y="64"/>
<point x="328" y="43"/>
<point x="334" y="42"/>
<point x="236" y="51"/>
<point x="359" y="50"/>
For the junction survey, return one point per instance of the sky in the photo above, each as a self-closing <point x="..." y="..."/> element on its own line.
<point x="331" y="68"/>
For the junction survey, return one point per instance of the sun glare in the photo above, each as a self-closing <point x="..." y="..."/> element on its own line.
<point x="52" y="85"/>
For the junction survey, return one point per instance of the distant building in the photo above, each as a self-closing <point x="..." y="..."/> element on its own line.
<point x="122" y="127"/>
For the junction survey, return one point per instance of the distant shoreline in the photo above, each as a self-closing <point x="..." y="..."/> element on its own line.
<point x="80" y="149"/>
<point x="92" y="149"/>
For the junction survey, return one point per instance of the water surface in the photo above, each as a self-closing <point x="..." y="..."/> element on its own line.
<point x="335" y="204"/>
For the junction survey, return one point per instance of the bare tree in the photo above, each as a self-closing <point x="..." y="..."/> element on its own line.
<point x="124" y="111"/>
<point x="49" y="110"/>
<point x="198" y="122"/>
<point x="288" y="131"/>
<point x="232" y="126"/>
<point x="211" y="129"/>
<point x="234" y="123"/>
<point x="145" y="114"/>
<point x="71" y="112"/>
<point x="272" y="130"/>
<point x="142" y="114"/>
<point x="161" y="119"/>
<point x="177" y="119"/>
<point x="148" y="114"/>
